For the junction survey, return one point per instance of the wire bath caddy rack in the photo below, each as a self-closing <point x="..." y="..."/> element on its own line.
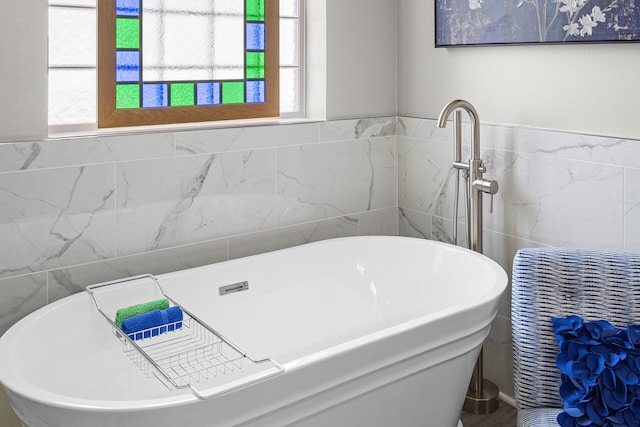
<point x="183" y="354"/>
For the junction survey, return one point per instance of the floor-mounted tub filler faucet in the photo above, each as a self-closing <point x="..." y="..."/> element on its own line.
<point x="482" y="396"/>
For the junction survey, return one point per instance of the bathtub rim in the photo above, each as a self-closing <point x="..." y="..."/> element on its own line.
<point x="27" y="390"/>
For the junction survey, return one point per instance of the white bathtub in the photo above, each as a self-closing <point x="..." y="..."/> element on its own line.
<point x="368" y="331"/>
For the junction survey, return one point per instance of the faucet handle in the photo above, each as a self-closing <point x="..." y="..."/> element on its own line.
<point x="489" y="186"/>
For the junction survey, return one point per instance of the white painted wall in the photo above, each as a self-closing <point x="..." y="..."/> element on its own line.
<point x="362" y="40"/>
<point x="316" y="59"/>
<point x="23" y="69"/>
<point x="591" y="88"/>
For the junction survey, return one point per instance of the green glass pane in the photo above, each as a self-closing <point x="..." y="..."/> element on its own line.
<point x="182" y="94"/>
<point x="233" y="92"/>
<point x="255" y="65"/>
<point x="255" y="10"/>
<point x="127" y="96"/>
<point x="127" y="33"/>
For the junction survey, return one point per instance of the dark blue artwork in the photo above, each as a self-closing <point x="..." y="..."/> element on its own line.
<point x="479" y="22"/>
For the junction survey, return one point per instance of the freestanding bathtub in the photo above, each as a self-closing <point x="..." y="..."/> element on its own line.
<point x="361" y="331"/>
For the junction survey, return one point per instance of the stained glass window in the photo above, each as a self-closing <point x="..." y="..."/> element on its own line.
<point x="183" y="55"/>
<point x="202" y="55"/>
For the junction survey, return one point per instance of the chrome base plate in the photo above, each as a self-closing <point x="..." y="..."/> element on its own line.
<point x="482" y="402"/>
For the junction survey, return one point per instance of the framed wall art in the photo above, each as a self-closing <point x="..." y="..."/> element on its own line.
<point x="496" y="22"/>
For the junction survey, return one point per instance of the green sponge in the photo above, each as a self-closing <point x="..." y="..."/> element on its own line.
<point x="134" y="310"/>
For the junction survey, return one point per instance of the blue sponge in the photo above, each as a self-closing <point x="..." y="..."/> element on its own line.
<point x="153" y="323"/>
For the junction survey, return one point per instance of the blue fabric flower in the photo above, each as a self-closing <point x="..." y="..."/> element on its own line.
<point x="634" y="335"/>
<point x="600" y="366"/>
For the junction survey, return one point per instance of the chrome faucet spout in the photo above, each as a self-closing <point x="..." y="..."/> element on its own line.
<point x="458" y="103"/>
<point x="475" y="122"/>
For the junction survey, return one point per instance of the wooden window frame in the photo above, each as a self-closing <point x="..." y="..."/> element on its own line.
<point x="109" y="116"/>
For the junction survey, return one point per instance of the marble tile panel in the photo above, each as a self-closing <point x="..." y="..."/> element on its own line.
<point x="341" y="130"/>
<point x="285" y="237"/>
<point x="335" y="179"/>
<point x="68" y="281"/>
<point x="17" y="156"/>
<point x="426" y="129"/>
<point x="20" y="296"/>
<point x="442" y="231"/>
<point x="556" y="202"/>
<point x="414" y="224"/>
<point x="139" y="146"/>
<point x="56" y="217"/>
<point x="380" y="222"/>
<point x="426" y="180"/>
<point x="563" y="145"/>
<point x="502" y="249"/>
<point x="632" y="210"/>
<point x="245" y="138"/>
<point x="84" y="151"/>
<point x="190" y="199"/>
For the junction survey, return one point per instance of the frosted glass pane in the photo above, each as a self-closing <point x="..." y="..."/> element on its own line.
<point x="73" y="2"/>
<point x="229" y="7"/>
<point x="65" y="45"/>
<point x="289" y="42"/>
<point x="187" y="40"/>
<point x="72" y="96"/>
<point x="289" y="90"/>
<point x="229" y="51"/>
<point x="200" y="7"/>
<point x="289" y="8"/>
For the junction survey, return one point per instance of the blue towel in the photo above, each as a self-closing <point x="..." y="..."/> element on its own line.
<point x="153" y="323"/>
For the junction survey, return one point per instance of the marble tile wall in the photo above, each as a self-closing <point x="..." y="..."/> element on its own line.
<point x="556" y="189"/>
<point x="86" y="210"/>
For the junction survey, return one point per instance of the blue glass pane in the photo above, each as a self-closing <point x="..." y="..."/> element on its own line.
<point x="255" y="36"/>
<point x="255" y="91"/>
<point x="127" y="66"/>
<point x="128" y="7"/>
<point x="155" y="95"/>
<point x="207" y="93"/>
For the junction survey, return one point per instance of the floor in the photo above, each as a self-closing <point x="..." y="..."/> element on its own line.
<point x="505" y="416"/>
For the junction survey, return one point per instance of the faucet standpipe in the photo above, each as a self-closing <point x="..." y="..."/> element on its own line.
<point x="482" y="395"/>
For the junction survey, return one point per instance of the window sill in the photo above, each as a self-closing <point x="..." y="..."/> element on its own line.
<point x="73" y="131"/>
